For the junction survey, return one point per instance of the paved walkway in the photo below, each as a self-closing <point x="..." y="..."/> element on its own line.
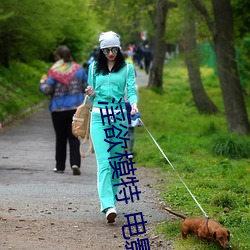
<point x="29" y="189"/>
<point x="141" y="78"/>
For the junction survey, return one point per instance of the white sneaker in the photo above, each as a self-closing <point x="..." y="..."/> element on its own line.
<point x="111" y="214"/>
<point x="58" y="171"/>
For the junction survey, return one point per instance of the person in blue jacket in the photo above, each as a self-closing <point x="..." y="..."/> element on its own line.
<point x="108" y="77"/>
<point x="65" y="83"/>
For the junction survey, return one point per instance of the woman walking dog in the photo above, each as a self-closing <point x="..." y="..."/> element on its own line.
<point x="108" y="78"/>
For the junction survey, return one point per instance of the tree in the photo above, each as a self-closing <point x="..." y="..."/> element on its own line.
<point x="223" y="38"/>
<point x="28" y="33"/>
<point x="127" y="17"/>
<point x="201" y="99"/>
<point x="241" y="17"/>
<point x="242" y="33"/>
<point x="159" y="46"/>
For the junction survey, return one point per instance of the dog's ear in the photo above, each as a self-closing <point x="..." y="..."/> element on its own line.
<point x="214" y="235"/>
<point x="228" y="237"/>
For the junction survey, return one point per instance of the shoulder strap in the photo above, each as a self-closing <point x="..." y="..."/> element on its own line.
<point x="92" y="73"/>
<point x="90" y="149"/>
<point x="87" y="137"/>
<point x="85" y="99"/>
<point x="126" y="84"/>
<point x="85" y="140"/>
<point x="126" y="73"/>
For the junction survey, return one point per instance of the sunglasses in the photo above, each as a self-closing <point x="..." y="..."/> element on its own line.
<point x="106" y="51"/>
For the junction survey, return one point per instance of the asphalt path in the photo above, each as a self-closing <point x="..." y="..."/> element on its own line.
<point x="31" y="190"/>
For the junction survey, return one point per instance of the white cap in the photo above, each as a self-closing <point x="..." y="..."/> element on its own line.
<point x="109" y="39"/>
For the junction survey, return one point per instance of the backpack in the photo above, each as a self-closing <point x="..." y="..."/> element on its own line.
<point x="81" y="126"/>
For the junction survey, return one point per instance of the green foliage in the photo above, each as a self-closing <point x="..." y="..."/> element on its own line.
<point x="243" y="59"/>
<point x="175" y="28"/>
<point x="175" y="25"/>
<point x="127" y="17"/>
<point x="231" y="146"/>
<point x="224" y="200"/>
<point x="19" y="87"/>
<point x="219" y="183"/>
<point x="169" y="229"/>
<point x="241" y="17"/>
<point x="29" y="33"/>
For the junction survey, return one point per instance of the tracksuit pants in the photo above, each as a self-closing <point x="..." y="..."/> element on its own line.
<point x="105" y="173"/>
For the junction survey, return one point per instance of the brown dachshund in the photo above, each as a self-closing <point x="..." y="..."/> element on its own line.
<point x="204" y="229"/>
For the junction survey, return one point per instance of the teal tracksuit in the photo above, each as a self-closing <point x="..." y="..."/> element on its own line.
<point x="109" y="89"/>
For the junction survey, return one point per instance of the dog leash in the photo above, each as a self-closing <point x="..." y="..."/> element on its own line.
<point x="174" y="170"/>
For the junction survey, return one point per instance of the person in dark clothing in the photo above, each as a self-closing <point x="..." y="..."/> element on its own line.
<point x="147" y="54"/>
<point x="65" y="83"/>
<point x="138" y="56"/>
<point x="92" y="57"/>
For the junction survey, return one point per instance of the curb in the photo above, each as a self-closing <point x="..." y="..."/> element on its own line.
<point x="22" y="114"/>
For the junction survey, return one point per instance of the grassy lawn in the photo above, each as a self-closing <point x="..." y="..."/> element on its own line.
<point x="19" y="88"/>
<point x="214" y="164"/>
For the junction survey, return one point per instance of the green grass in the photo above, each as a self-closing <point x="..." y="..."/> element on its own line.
<point x="19" y="88"/>
<point x="214" y="164"/>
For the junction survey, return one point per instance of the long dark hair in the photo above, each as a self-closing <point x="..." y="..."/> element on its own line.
<point x="102" y="67"/>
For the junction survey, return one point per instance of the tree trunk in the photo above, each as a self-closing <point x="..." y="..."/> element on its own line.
<point x="223" y="38"/>
<point x="201" y="99"/>
<point x="235" y="109"/>
<point x="159" y="47"/>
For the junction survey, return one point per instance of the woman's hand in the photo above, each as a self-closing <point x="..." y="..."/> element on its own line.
<point x="90" y="91"/>
<point x="134" y="109"/>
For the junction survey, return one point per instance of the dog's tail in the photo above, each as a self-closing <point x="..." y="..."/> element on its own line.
<point x="175" y="213"/>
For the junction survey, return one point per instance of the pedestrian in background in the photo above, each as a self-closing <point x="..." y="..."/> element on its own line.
<point x="108" y="77"/>
<point x="65" y="84"/>
<point x="147" y="54"/>
<point x="138" y="53"/>
<point x="92" y="57"/>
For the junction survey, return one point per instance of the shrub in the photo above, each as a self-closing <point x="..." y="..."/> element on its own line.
<point x="223" y="200"/>
<point x="231" y="146"/>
